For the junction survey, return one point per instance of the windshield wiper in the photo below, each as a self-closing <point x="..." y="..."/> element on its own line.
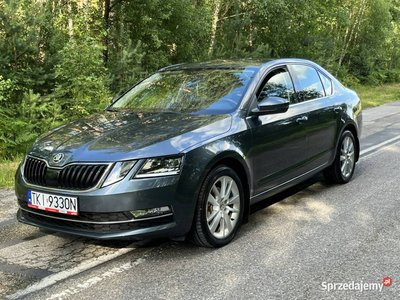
<point x="111" y="109"/>
<point x="168" y="112"/>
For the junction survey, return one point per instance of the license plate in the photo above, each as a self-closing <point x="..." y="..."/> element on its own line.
<point x="53" y="203"/>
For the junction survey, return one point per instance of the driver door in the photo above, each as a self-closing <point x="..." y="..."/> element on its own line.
<point x="279" y="141"/>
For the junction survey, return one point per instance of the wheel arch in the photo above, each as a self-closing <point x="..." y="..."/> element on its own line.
<point x="353" y="129"/>
<point x="235" y="161"/>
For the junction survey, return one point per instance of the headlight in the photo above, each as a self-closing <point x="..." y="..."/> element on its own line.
<point x="119" y="171"/>
<point x="156" y="167"/>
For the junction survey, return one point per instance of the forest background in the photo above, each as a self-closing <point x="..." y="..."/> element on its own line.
<point x="63" y="59"/>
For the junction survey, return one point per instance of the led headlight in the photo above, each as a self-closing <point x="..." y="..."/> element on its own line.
<point x="156" y="167"/>
<point x="119" y="171"/>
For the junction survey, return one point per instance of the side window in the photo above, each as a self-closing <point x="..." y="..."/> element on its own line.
<point x="310" y="86"/>
<point x="278" y="84"/>
<point x="327" y="84"/>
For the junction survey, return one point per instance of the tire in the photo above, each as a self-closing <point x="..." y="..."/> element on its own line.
<point x="342" y="168"/>
<point x="217" y="218"/>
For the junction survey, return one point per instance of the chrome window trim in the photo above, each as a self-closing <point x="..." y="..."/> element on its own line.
<point x="308" y="101"/>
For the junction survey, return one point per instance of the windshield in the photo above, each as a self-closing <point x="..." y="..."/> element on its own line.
<point x="199" y="91"/>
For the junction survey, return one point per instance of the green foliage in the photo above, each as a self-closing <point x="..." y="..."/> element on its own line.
<point x="61" y="60"/>
<point x="6" y="89"/>
<point x="378" y="77"/>
<point x="80" y="78"/>
<point x="127" y="68"/>
<point x="22" y="124"/>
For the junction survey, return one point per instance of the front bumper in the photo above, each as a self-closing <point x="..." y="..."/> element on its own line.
<point x="104" y="213"/>
<point x="136" y="232"/>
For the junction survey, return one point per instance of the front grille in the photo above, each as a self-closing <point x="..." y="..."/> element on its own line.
<point x="70" y="177"/>
<point x="80" y="177"/>
<point x="35" y="171"/>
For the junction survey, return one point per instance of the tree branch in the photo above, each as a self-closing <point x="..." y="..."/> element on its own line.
<point x="232" y="16"/>
<point x="116" y="3"/>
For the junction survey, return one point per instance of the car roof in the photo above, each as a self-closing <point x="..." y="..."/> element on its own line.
<point x="219" y="64"/>
<point x="248" y="63"/>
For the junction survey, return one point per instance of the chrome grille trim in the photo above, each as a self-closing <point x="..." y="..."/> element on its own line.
<point x="75" y="186"/>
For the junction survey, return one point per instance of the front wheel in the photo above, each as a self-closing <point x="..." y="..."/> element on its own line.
<point x="342" y="168"/>
<point x="219" y="210"/>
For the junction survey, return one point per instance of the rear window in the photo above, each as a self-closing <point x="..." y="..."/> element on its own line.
<point x="327" y="84"/>
<point x="309" y="83"/>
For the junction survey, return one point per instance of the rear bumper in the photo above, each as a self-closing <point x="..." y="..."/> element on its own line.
<point x="105" y="213"/>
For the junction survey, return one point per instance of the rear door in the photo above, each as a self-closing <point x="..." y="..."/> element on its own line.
<point x="315" y="91"/>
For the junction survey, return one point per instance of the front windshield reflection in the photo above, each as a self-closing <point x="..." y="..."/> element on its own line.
<point x="201" y="91"/>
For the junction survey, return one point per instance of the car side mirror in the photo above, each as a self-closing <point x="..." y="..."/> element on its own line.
<point x="271" y="105"/>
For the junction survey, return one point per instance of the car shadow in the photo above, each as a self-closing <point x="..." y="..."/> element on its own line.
<point x="291" y="196"/>
<point x="255" y="208"/>
<point x="319" y="178"/>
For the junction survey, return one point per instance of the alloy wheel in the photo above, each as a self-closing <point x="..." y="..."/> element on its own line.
<point x="347" y="157"/>
<point x="223" y="207"/>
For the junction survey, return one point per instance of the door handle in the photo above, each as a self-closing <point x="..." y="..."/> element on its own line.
<point x="302" y="119"/>
<point x="338" y="109"/>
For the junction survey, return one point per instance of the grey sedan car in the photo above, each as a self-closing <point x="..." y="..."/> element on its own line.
<point x="185" y="152"/>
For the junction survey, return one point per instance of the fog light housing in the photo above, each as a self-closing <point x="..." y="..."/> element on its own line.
<point x="151" y="213"/>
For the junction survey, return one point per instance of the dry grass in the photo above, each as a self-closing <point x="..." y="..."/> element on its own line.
<point x="7" y="172"/>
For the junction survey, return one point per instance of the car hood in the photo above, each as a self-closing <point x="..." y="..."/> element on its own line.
<point x="114" y="136"/>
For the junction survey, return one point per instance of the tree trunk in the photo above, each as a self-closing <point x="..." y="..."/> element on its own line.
<point x="349" y="37"/>
<point x="70" y="21"/>
<point x="85" y="10"/>
<point x="214" y="26"/>
<point x="362" y="10"/>
<point x="345" y="43"/>
<point x="106" y="16"/>
<point x="251" y="35"/>
<point x="15" y="58"/>
<point x="392" y="57"/>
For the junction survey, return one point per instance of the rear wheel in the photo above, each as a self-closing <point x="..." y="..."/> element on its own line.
<point x="342" y="169"/>
<point x="219" y="210"/>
